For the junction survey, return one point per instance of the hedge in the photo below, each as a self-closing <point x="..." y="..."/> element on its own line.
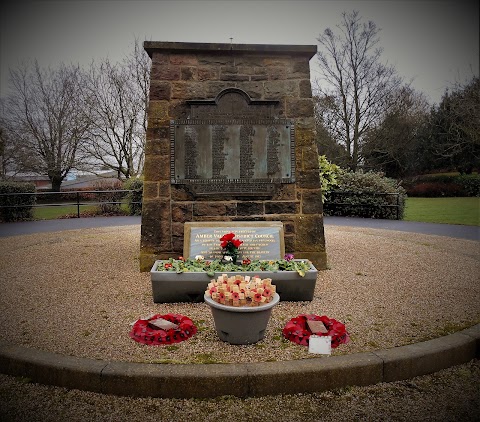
<point x="134" y="198"/>
<point x="443" y="186"/>
<point x="366" y="195"/>
<point x="84" y="195"/>
<point x="17" y="207"/>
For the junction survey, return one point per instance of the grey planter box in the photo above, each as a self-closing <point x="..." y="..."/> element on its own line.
<point x="241" y="325"/>
<point x="190" y="287"/>
<point x="168" y="286"/>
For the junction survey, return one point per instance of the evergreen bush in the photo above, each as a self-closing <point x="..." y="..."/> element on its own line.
<point x="17" y="207"/>
<point x="470" y="184"/>
<point x="134" y="198"/>
<point x="366" y="195"/>
<point x="108" y="198"/>
<point x="328" y="175"/>
<point x="435" y="189"/>
<point x="443" y="185"/>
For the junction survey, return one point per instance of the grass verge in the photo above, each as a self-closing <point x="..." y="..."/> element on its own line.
<point x="50" y="213"/>
<point x="465" y="211"/>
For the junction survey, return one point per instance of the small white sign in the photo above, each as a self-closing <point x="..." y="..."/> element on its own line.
<point x="321" y="345"/>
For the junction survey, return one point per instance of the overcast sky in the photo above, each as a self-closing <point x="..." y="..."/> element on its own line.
<point x="435" y="42"/>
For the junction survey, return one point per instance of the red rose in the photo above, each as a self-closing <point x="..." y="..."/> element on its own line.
<point x="236" y="242"/>
<point x="227" y="237"/>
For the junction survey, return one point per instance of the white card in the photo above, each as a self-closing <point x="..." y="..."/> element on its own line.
<point x="321" y="345"/>
<point x="162" y="324"/>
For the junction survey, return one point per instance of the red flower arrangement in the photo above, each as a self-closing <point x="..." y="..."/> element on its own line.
<point x="145" y="332"/>
<point x="228" y="240"/>
<point x="298" y="331"/>
<point x="230" y="246"/>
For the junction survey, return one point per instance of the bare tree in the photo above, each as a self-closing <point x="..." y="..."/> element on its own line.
<point x="139" y="63"/>
<point x="328" y="130"/>
<point x="354" y="80"/>
<point x="117" y="97"/>
<point x="45" y="119"/>
<point x="7" y="150"/>
<point x="392" y="146"/>
<point x="455" y="127"/>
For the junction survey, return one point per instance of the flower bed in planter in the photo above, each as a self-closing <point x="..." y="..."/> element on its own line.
<point x="188" y="283"/>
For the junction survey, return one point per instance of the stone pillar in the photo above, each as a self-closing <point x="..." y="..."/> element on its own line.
<point x="194" y="71"/>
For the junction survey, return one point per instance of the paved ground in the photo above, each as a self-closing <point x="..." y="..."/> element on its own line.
<point x="28" y="227"/>
<point x="449" y="230"/>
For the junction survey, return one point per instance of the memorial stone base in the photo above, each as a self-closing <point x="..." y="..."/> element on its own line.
<point x="230" y="138"/>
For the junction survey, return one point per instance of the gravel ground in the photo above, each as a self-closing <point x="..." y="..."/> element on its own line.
<point x="449" y="395"/>
<point x="76" y="293"/>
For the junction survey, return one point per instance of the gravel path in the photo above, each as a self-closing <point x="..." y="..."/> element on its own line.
<point x="449" y="395"/>
<point x="77" y="292"/>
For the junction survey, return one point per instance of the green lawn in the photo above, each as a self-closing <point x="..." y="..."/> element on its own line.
<point x="50" y="213"/>
<point x="464" y="211"/>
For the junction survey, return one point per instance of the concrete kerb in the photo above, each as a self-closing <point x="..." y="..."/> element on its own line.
<point x="241" y="380"/>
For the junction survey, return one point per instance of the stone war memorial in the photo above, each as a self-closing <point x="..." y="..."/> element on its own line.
<point x="231" y="143"/>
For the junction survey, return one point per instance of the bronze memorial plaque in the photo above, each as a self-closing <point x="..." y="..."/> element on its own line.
<point x="232" y="151"/>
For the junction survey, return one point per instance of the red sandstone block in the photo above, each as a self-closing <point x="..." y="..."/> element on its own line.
<point x="188" y="73"/>
<point x="160" y="90"/>
<point x="299" y="107"/>
<point x="207" y="73"/>
<point x="165" y="73"/>
<point x="184" y="59"/>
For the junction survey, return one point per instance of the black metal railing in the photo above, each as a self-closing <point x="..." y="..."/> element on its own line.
<point x="337" y="201"/>
<point x="73" y="198"/>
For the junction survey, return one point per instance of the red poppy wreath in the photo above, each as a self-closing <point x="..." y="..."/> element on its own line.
<point x="298" y="330"/>
<point x="163" y="329"/>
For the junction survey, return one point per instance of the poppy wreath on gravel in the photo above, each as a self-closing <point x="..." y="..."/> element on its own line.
<point x="298" y="331"/>
<point x="163" y="329"/>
